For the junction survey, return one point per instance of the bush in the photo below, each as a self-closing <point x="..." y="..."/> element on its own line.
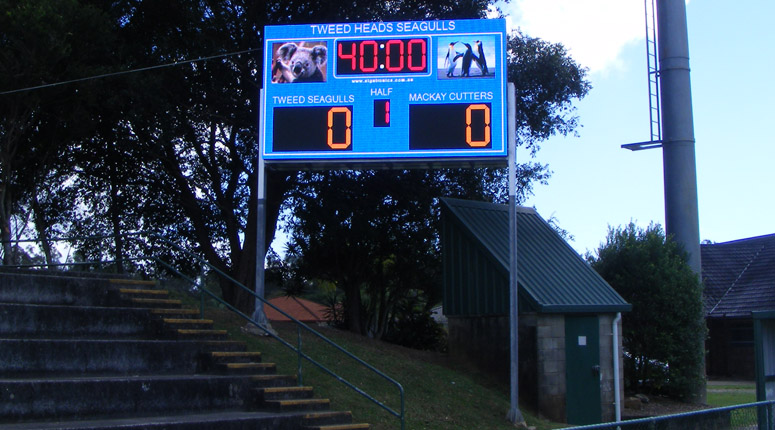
<point x="419" y="331"/>
<point x="664" y="335"/>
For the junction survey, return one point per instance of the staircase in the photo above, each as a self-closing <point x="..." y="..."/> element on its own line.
<point x="95" y="353"/>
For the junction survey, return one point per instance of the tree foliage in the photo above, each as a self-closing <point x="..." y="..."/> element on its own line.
<point x="664" y="335"/>
<point x="374" y="234"/>
<point x="172" y="149"/>
<point x="41" y="43"/>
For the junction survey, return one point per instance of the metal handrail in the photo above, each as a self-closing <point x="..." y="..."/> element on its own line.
<point x="204" y="291"/>
<point x="770" y="404"/>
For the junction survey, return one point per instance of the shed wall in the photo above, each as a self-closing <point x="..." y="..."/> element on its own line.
<point x="474" y="283"/>
<point x="542" y="370"/>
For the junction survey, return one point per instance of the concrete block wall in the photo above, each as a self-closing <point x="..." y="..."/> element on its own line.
<point x="550" y="347"/>
<point x="485" y="341"/>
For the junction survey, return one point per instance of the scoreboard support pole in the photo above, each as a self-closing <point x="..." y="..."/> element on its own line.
<point x="514" y="415"/>
<point x="259" y="316"/>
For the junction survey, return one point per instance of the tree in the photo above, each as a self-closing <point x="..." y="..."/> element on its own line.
<point x="664" y="335"/>
<point x="375" y="233"/>
<point x="182" y="138"/>
<point x="197" y="122"/>
<point x="43" y="42"/>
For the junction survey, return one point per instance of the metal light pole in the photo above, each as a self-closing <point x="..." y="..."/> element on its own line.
<point x="678" y="158"/>
<point x="514" y="415"/>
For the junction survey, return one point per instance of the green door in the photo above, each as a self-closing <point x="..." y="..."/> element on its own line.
<point x="582" y="364"/>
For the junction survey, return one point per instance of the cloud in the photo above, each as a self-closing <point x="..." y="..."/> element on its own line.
<point x="593" y="31"/>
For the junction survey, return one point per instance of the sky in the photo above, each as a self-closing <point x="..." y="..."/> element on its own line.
<point x="596" y="183"/>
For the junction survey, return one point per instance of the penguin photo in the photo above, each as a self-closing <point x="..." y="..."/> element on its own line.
<point x="468" y="56"/>
<point x="481" y="61"/>
<point x="451" y="59"/>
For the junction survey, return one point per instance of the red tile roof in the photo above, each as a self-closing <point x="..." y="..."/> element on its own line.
<point x="301" y="309"/>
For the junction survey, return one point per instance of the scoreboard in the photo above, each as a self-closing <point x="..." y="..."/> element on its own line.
<point x="385" y="91"/>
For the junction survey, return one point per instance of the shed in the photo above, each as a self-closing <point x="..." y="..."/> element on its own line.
<point x="567" y="312"/>
<point x="738" y="279"/>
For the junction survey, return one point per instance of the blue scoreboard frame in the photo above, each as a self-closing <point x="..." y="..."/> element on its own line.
<point x="385" y="91"/>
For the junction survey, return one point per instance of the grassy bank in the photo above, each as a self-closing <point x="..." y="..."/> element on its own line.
<point x="440" y="394"/>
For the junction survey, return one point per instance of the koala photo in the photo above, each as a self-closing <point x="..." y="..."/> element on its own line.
<point x="299" y="63"/>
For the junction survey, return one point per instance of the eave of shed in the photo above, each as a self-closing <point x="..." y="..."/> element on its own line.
<point x="551" y="274"/>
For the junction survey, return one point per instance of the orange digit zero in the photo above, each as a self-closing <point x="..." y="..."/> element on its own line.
<point x="478" y="143"/>
<point x="348" y="119"/>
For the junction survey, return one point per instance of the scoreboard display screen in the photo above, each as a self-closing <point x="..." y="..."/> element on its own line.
<point x="385" y="91"/>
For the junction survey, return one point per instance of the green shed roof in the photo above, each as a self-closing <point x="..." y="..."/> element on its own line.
<point x="553" y="278"/>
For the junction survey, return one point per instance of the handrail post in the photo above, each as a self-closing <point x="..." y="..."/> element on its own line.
<point x="201" y="303"/>
<point x="299" y="376"/>
<point x="403" y="410"/>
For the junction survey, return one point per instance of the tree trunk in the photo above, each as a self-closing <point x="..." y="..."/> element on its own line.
<point x="41" y="225"/>
<point x="236" y="296"/>
<point x="115" y="219"/>
<point x="5" y="227"/>
<point x="353" y="309"/>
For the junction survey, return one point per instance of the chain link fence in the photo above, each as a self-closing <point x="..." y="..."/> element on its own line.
<point x="759" y="415"/>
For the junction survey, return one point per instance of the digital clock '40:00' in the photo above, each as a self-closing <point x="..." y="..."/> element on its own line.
<point x="381" y="56"/>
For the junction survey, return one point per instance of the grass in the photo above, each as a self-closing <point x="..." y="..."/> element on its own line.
<point x="729" y="395"/>
<point x="440" y="393"/>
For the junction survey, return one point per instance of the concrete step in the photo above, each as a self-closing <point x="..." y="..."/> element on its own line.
<point x="174" y="313"/>
<point x="226" y="420"/>
<point x="153" y="303"/>
<point x="133" y="283"/>
<point x="324" y="418"/>
<point x="245" y="368"/>
<point x="83" y="352"/>
<point x="107" y="356"/>
<point x="359" y="426"/>
<point x="187" y="323"/>
<point x="284" y="393"/>
<point x="235" y="357"/>
<point x="140" y="293"/>
<point x="53" y="290"/>
<point x="297" y="405"/>
<point x="197" y="334"/>
<point x="67" y="398"/>
<point x="62" y="322"/>
<point x="331" y="420"/>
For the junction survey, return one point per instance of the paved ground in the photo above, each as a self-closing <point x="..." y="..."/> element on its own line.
<point x="746" y="386"/>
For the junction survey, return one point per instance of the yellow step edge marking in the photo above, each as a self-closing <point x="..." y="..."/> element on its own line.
<point x="141" y="291"/>
<point x="343" y="427"/>
<point x="285" y="389"/>
<point x="175" y="311"/>
<point x="270" y="377"/>
<point x="194" y="331"/>
<point x="248" y="365"/>
<point x="326" y="414"/>
<point x="186" y="321"/>
<point x="160" y="301"/>
<point x="227" y="354"/>
<point x="131" y="281"/>
<point x="301" y="402"/>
